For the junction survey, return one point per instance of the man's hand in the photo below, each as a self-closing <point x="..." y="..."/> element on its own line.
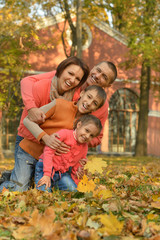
<point x="44" y="180"/>
<point x="36" y="115"/>
<point x="53" y="142"/>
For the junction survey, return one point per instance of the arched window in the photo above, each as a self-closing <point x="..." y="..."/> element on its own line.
<point x="123" y="120"/>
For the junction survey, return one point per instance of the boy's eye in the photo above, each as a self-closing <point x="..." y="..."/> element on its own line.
<point x="71" y="73"/>
<point x="87" y="130"/>
<point x="89" y="96"/>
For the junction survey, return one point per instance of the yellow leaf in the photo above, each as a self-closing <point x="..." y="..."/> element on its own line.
<point x="103" y="194"/>
<point x="86" y="185"/>
<point x="152" y="216"/>
<point x="156" y="197"/>
<point x="95" y="165"/>
<point x="112" y="226"/>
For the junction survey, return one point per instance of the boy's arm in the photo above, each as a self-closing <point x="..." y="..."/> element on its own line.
<point x="33" y="127"/>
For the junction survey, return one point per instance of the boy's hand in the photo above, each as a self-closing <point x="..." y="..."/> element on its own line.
<point x="44" y="180"/>
<point x="36" y="115"/>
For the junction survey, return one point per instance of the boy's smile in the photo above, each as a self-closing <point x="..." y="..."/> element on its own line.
<point x="88" y="102"/>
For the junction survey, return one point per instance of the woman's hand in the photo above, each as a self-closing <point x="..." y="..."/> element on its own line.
<point x="36" y="115"/>
<point x="53" y="142"/>
<point x="83" y="161"/>
<point x="44" y="180"/>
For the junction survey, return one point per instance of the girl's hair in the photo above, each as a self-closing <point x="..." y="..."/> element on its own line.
<point x="76" y="61"/>
<point x="88" y="118"/>
<point x="100" y="93"/>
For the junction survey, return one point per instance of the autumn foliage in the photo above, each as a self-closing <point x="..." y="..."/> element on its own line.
<point x="118" y="198"/>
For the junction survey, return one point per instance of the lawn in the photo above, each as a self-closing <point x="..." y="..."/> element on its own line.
<point x="118" y="199"/>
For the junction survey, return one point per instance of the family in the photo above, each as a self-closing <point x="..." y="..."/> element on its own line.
<point x="64" y="114"/>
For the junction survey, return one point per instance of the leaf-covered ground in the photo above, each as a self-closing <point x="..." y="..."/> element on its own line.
<point x="118" y="199"/>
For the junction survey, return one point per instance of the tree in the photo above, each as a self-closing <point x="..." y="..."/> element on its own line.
<point x="18" y="37"/>
<point x="140" y="24"/>
<point x="74" y="13"/>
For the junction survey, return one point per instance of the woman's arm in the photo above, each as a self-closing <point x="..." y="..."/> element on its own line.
<point x="27" y="85"/>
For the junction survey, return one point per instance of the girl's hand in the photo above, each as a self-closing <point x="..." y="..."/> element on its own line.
<point x="80" y="172"/>
<point x="53" y="142"/>
<point x="83" y="161"/>
<point x="44" y="180"/>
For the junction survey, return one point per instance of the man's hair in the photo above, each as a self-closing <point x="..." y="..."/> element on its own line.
<point x="112" y="67"/>
<point x="88" y="118"/>
<point x="75" y="61"/>
<point x="100" y="93"/>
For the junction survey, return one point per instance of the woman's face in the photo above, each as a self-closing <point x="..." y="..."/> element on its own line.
<point x="70" y="78"/>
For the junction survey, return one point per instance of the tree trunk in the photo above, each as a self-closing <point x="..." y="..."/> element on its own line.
<point x="141" y="140"/>
<point x="79" y="28"/>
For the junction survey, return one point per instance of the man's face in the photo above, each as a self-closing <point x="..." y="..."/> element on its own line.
<point x="100" y="75"/>
<point x="88" y="102"/>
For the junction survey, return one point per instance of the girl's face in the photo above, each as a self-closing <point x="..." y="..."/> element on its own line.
<point x="86" y="132"/>
<point x="70" y="78"/>
<point x="88" y="102"/>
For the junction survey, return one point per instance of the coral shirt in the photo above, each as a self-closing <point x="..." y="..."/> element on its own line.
<point x="64" y="161"/>
<point x="35" y="91"/>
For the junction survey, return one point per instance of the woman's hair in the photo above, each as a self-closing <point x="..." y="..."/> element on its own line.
<point x="76" y="61"/>
<point x="88" y="118"/>
<point x="100" y="93"/>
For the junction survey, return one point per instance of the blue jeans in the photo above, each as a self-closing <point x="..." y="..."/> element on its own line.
<point x="63" y="182"/>
<point x="23" y="171"/>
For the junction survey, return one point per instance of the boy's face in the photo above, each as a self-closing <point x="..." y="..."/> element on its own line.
<point x="86" y="132"/>
<point x="100" y="75"/>
<point x="88" y="102"/>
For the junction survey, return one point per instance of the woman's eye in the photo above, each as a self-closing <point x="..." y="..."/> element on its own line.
<point x="96" y="104"/>
<point x="89" y="96"/>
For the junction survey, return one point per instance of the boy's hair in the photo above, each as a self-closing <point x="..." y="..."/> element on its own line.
<point x="88" y="118"/>
<point x="100" y="93"/>
<point x="75" y="61"/>
<point x="112" y="67"/>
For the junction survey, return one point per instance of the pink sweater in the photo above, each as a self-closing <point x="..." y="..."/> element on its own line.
<point x="64" y="161"/>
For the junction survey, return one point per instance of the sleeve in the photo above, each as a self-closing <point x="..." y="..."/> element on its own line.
<point x="48" y="155"/>
<point x="47" y="160"/>
<point x="77" y="165"/>
<point x="26" y="88"/>
<point x="102" y="114"/>
<point x="33" y="127"/>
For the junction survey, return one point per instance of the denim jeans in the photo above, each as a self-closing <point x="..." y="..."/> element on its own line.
<point x="63" y="182"/>
<point x="23" y="171"/>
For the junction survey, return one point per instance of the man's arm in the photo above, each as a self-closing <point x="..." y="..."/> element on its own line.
<point x="102" y="114"/>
